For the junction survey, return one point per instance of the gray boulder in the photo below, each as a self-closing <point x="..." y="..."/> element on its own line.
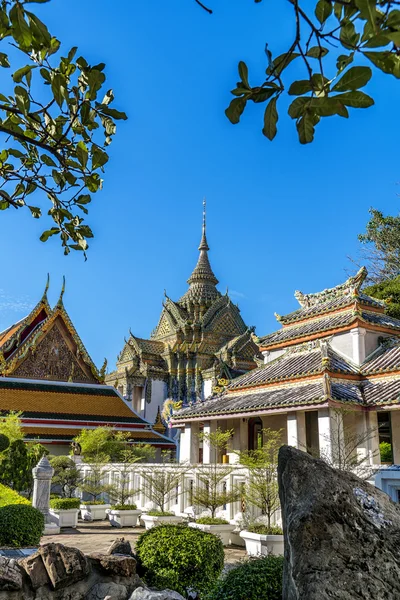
<point x="342" y="535"/>
<point x="10" y="574"/>
<point x="114" y="564"/>
<point x="120" y="546"/>
<point x="64" y="565"/>
<point x="142" y="593"/>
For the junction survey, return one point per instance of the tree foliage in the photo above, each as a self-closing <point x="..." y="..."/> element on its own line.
<point x="336" y="45"/>
<point x="56" y="126"/>
<point x="389" y="291"/>
<point x="381" y="246"/>
<point x="10" y="426"/>
<point x="163" y="482"/>
<point x="66" y="475"/>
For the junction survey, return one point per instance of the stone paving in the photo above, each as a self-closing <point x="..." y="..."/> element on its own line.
<point x="98" y="536"/>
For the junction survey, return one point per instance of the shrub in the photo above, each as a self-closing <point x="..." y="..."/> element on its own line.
<point x="211" y="521"/>
<point x="252" y="580"/>
<point x="4" y="442"/>
<point x="179" y="558"/>
<point x="9" y="496"/>
<point x="264" y="529"/>
<point x="91" y="502"/>
<point x="64" y="503"/>
<point x="20" y="526"/>
<point x="386" y="452"/>
<point x="160" y="513"/>
<point x="124" y="507"/>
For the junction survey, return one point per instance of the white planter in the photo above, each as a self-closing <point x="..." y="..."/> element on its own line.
<point x="224" y="532"/>
<point x="150" y="521"/>
<point x="94" y="512"/>
<point x="124" y="518"/>
<point x="260" y="545"/>
<point x="64" y="518"/>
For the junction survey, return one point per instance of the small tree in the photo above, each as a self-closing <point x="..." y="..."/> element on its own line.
<point x="261" y="489"/>
<point x="17" y="464"/>
<point x="104" y="441"/>
<point x="209" y="492"/>
<point x="129" y="454"/>
<point x="93" y="482"/>
<point x="10" y="426"/>
<point x="162" y="481"/>
<point x="66" y="475"/>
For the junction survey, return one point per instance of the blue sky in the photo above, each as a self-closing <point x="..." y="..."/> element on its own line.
<point x="281" y="216"/>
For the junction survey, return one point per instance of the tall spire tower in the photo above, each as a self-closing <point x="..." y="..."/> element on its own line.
<point x="202" y="281"/>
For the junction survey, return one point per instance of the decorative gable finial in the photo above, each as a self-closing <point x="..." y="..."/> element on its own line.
<point x="60" y="300"/>
<point x="46" y="289"/>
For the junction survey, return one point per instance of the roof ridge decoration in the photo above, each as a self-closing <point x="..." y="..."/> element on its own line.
<point x="350" y="287"/>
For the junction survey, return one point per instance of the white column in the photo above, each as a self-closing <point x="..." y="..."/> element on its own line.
<point x="395" y="421"/>
<point x="244" y="434"/>
<point x="358" y="336"/>
<point x="373" y="440"/>
<point x="296" y="430"/>
<point x="189" y="446"/>
<point x="208" y="450"/>
<point x="324" y="434"/>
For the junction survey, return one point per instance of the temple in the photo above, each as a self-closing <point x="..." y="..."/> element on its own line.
<point x="339" y="349"/>
<point x="47" y="374"/>
<point x="199" y="339"/>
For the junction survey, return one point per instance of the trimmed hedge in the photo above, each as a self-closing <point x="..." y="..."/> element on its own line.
<point x="254" y="579"/>
<point x="91" y="502"/>
<point x="179" y="558"/>
<point x="64" y="503"/>
<point x="211" y="521"/>
<point x="124" y="507"/>
<point x="262" y="529"/>
<point x="160" y="513"/>
<point x="20" y="526"/>
<point x="9" y="496"/>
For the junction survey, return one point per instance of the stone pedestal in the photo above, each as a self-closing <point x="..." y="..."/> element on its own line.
<point x="42" y="474"/>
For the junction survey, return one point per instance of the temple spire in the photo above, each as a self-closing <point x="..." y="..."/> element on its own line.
<point x="203" y="241"/>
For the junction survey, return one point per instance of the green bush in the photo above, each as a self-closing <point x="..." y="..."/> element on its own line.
<point x="9" y="496"/>
<point x="264" y="529"/>
<point x="252" y="580"/>
<point x="20" y="526"/>
<point x="64" y="503"/>
<point x="124" y="507"/>
<point x="160" y="513"/>
<point x="4" y="442"/>
<point x="386" y="452"/>
<point x="91" y="502"/>
<point x="211" y="521"/>
<point x="179" y="558"/>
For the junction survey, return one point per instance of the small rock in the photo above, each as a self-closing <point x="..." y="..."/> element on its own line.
<point x="112" y="591"/>
<point x="10" y="574"/>
<point x="120" y="546"/>
<point x="114" y="564"/>
<point x="145" y="594"/>
<point x="64" y="565"/>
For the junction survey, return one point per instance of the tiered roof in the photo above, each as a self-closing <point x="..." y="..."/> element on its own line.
<point x="310" y="371"/>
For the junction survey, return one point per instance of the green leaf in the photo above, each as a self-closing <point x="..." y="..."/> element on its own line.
<point x="20" y="28"/>
<point x="22" y="99"/>
<point x="99" y="157"/>
<point x="298" y="88"/>
<point x="393" y="19"/>
<point x="235" y="109"/>
<point x="58" y="87"/>
<point x="323" y="10"/>
<point x="353" y="79"/>
<point x="112" y="112"/>
<point x="36" y="212"/>
<point x="367" y="10"/>
<point x="343" y="61"/>
<point x="82" y="153"/>
<point x="317" y="52"/>
<point x="39" y="28"/>
<point x="356" y="99"/>
<point x="48" y="161"/>
<point x="46" y="234"/>
<point x="244" y="73"/>
<point x="281" y="62"/>
<point x="84" y="199"/>
<point x="20" y="74"/>
<point x="93" y="182"/>
<point x="298" y="106"/>
<point x="386" y="62"/>
<point x="4" y="60"/>
<point x="348" y="35"/>
<point x="305" y="129"/>
<point x="270" y="119"/>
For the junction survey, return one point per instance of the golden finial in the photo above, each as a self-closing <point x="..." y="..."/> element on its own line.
<point x="158" y="424"/>
<point x="60" y="300"/>
<point x="203" y="242"/>
<point x="46" y="289"/>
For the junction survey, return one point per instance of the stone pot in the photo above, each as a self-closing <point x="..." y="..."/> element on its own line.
<point x="224" y="532"/>
<point x="150" y="521"/>
<point x="124" y="518"/>
<point x="94" y="512"/>
<point x="260" y="545"/>
<point x="64" y="518"/>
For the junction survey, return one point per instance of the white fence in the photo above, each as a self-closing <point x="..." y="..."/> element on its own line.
<point x="180" y="499"/>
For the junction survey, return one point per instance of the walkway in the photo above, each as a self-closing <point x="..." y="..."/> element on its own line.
<point x="98" y="536"/>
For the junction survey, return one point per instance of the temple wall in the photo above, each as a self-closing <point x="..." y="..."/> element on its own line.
<point x="276" y="422"/>
<point x="343" y="343"/>
<point x="371" y="341"/>
<point x="271" y="355"/>
<point x="158" y="395"/>
<point x="207" y="388"/>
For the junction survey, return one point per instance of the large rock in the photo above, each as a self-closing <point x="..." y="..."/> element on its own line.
<point x="10" y="574"/>
<point x="114" y="564"/>
<point x="342" y="536"/>
<point x="64" y="565"/>
<point x="102" y="591"/>
<point x="145" y="594"/>
<point x="35" y="569"/>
